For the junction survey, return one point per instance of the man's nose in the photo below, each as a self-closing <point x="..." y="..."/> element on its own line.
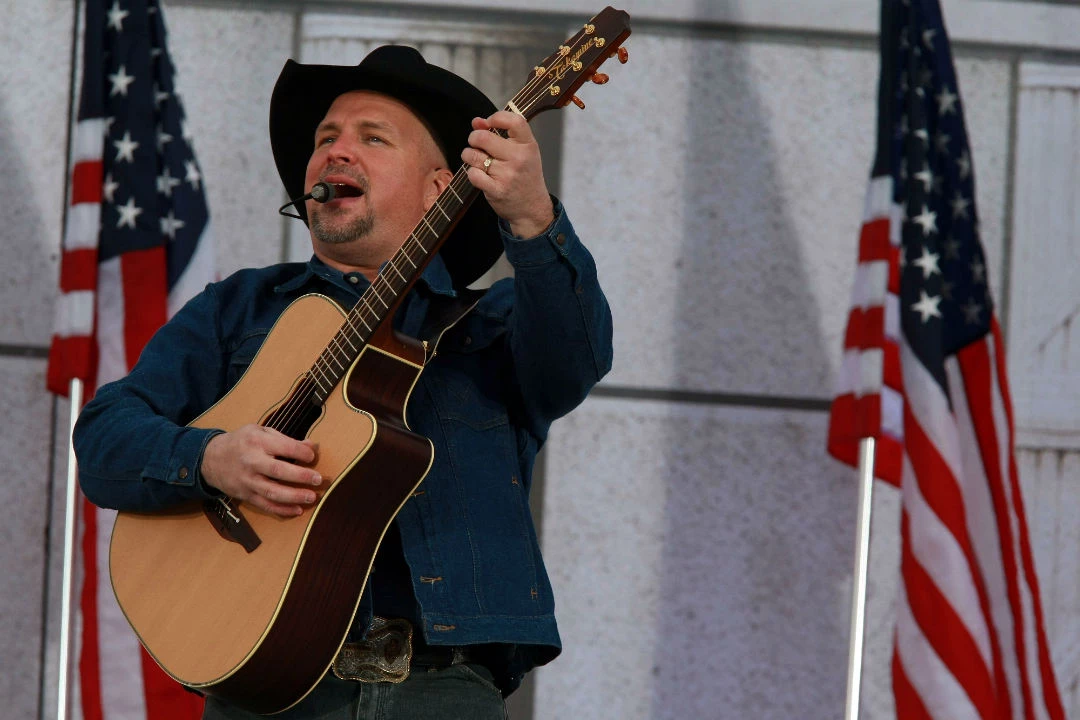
<point x="342" y="151"/>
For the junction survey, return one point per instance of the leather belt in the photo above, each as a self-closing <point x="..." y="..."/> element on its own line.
<point x="388" y="651"/>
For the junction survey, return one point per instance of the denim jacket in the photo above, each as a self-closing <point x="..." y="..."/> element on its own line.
<point x="527" y="354"/>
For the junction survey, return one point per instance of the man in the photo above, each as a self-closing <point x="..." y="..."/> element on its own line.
<point x="460" y="568"/>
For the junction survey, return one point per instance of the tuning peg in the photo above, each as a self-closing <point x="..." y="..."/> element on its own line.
<point x="600" y="78"/>
<point x="624" y="55"/>
<point x="577" y="101"/>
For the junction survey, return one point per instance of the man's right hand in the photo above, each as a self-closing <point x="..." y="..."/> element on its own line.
<point x="251" y="464"/>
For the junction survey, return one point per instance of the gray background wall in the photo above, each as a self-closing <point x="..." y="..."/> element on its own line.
<point x="700" y="540"/>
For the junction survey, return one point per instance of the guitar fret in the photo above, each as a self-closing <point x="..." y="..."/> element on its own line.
<point x="397" y="271"/>
<point x="450" y="187"/>
<point x="442" y="211"/>
<point x="377" y="295"/>
<point x="424" y="220"/>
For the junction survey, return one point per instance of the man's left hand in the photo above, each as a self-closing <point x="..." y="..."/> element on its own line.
<point x="513" y="180"/>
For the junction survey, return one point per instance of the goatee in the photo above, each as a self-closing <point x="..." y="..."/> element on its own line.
<point x="331" y="233"/>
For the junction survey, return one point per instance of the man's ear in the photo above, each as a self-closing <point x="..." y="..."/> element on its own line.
<point x="440" y="178"/>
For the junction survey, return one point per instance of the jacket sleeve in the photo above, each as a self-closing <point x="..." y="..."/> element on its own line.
<point x="560" y="323"/>
<point x="133" y="449"/>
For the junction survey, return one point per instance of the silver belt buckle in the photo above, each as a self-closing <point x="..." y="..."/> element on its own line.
<point x="383" y="655"/>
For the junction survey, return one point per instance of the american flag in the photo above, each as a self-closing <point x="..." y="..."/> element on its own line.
<point x="924" y="374"/>
<point x="136" y="247"/>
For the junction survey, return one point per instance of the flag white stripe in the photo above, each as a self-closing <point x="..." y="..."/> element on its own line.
<point x="892" y="413"/>
<point x="892" y="317"/>
<point x="75" y="313"/>
<point x="985" y="537"/>
<point x="871" y="284"/>
<point x="1027" y="609"/>
<point x="931" y="679"/>
<point x="89" y="140"/>
<point x="122" y="695"/>
<point x="112" y="360"/>
<point x="940" y="554"/>
<point x="83" y="226"/>
<point x="199" y="271"/>
<point x="878" y="203"/>
<point x="930" y="408"/>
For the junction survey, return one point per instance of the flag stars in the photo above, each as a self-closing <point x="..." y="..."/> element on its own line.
<point x="928" y="38"/>
<point x="166" y="182"/>
<point x="927" y="220"/>
<point x="116" y="17"/>
<point x="941" y="142"/>
<point x="120" y="81"/>
<point x="926" y="176"/>
<point x="952" y="249"/>
<point x="946" y="101"/>
<point x="108" y="188"/>
<point x="924" y="136"/>
<point x="169" y="225"/>
<point x="162" y="138"/>
<point x="978" y="272"/>
<point x="128" y="213"/>
<point x="972" y="310"/>
<point x="192" y="175"/>
<point x="927" y="307"/>
<point x="964" y="164"/>
<point x="125" y="148"/>
<point x="928" y="263"/>
<point x="960" y="205"/>
<point x="160" y="96"/>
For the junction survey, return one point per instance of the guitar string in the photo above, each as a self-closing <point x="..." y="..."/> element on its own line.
<point x="294" y="406"/>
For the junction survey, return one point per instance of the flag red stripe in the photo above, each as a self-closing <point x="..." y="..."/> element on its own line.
<point x="90" y="659"/>
<point x="165" y="700"/>
<point x="944" y="629"/>
<point x="86" y="179"/>
<point x="874" y="241"/>
<point x="145" y="290"/>
<point x="70" y="357"/>
<point x="974" y="363"/>
<point x="78" y="270"/>
<point x="1051" y="695"/>
<point x="942" y="493"/>
<point x="892" y="370"/>
<point x="866" y="328"/>
<point x="909" y="706"/>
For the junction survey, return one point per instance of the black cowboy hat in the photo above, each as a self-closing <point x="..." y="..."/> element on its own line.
<point x="445" y="102"/>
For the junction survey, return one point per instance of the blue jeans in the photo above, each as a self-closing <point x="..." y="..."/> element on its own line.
<point x="458" y="692"/>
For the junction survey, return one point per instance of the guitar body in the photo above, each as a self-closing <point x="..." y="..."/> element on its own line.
<point x="260" y="629"/>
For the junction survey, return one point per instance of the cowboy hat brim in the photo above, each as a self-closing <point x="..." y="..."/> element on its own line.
<point x="445" y="102"/>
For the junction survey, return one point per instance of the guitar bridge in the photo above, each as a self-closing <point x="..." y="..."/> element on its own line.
<point x="231" y="524"/>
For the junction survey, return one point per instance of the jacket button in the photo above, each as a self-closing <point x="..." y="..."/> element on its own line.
<point x="354" y="279"/>
<point x="560" y="239"/>
<point x="182" y="473"/>
<point x="467" y="340"/>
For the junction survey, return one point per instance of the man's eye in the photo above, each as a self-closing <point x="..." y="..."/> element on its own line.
<point x="375" y="139"/>
<point x="325" y="141"/>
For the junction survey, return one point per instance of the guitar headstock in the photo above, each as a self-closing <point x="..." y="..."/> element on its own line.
<point x="554" y="81"/>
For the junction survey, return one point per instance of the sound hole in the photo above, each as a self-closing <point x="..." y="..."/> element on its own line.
<point x="295" y="416"/>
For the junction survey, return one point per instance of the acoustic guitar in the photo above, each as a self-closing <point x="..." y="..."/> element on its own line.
<point x="252" y="608"/>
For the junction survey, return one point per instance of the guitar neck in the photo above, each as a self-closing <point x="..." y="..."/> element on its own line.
<point x="395" y="279"/>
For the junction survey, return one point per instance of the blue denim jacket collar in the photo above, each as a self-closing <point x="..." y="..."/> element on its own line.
<point x="435" y="276"/>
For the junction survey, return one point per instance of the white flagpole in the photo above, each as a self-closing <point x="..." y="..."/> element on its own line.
<point x="70" y="497"/>
<point x="858" y="586"/>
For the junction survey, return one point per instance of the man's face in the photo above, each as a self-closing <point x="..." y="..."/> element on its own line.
<point x="382" y="163"/>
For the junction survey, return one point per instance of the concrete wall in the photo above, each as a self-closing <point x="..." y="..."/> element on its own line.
<point x="699" y="538"/>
